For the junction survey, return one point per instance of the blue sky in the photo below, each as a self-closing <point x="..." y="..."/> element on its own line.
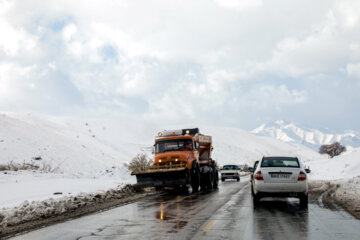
<point x="236" y="63"/>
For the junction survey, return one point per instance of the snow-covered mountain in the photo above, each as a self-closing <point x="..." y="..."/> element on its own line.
<point x="310" y="137"/>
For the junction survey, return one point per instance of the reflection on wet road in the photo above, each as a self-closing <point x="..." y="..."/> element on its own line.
<point x="227" y="213"/>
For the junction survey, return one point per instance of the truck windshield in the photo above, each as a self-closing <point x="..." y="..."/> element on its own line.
<point x="174" y="145"/>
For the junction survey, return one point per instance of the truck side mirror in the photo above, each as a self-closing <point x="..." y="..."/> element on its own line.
<point x="153" y="150"/>
<point x="197" y="145"/>
<point x="307" y="170"/>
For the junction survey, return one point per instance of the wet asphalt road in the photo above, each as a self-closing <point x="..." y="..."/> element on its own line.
<point x="227" y="213"/>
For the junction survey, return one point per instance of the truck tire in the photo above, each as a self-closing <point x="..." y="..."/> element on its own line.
<point x="210" y="180"/>
<point x="216" y="179"/>
<point x="195" y="177"/>
<point x="238" y="179"/>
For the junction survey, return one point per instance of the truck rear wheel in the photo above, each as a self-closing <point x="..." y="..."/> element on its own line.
<point x="216" y="179"/>
<point x="210" y="180"/>
<point x="195" y="177"/>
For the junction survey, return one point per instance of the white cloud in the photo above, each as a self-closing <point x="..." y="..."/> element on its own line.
<point x="353" y="70"/>
<point x="178" y="60"/>
<point x="14" y="80"/>
<point x="12" y="39"/>
<point x="272" y="96"/>
<point x="69" y="31"/>
<point x="240" y="5"/>
<point x="323" y="50"/>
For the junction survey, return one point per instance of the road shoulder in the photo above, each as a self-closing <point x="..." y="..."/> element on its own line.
<point x="44" y="213"/>
<point x="332" y="194"/>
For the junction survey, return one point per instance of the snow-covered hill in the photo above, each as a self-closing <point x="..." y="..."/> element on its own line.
<point x="95" y="147"/>
<point x="312" y="138"/>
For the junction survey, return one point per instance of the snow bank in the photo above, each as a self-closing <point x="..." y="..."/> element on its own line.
<point x="345" y="166"/>
<point x="20" y="186"/>
<point x="50" y="208"/>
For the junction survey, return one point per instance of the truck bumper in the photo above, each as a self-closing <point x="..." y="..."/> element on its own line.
<point x="162" y="177"/>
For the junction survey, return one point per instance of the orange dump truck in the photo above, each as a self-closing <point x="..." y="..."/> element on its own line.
<point x="182" y="159"/>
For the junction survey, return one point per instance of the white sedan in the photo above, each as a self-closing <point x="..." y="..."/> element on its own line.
<point x="280" y="177"/>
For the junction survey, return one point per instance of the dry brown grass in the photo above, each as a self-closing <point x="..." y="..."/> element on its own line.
<point x="26" y="166"/>
<point x="17" y="166"/>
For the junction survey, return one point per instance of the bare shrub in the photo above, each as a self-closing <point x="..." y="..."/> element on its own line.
<point x="139" y="162"/>
<point x="3" y="167"/>
<point x="245" y="168"/>
<point x="17" y="166"/>
<point x="332" y="150"/>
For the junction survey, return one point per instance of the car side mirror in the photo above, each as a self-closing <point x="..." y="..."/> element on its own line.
<point x="307" y="170"/>
<point x="251" y="169"/>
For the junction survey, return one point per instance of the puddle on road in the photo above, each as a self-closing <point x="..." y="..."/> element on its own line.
<point x="285" y="219"/>
<point x="178" y="213"/>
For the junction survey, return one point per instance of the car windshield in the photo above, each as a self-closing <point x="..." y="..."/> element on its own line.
<point x="174" y="145"/>
<point x="230" y="167"/>
<point x="280" y="162"/>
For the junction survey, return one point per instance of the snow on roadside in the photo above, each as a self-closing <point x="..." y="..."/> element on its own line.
<point x="21" y="186"/>
<point x="50" y="208"/>
<point x="348" y="196"/>
<point x="344" y="166"/>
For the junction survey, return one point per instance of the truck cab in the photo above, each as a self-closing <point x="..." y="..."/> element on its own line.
<point x="182" y="158"/>
<point x="177" y="150"/>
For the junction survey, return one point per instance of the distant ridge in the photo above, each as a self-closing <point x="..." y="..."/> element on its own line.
<point x="310" y="137"/>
